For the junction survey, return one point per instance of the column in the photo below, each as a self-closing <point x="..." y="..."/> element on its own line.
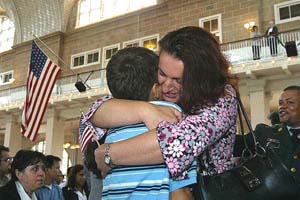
<point x="13" y="137"/>
<point x="259" y="102"/>
<point x="54" y="134"/>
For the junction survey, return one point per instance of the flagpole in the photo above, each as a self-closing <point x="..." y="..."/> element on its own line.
<point x="59" y="58"/>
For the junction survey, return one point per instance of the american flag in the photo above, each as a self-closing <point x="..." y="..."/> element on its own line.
<point x="86" y="133"/>
<point x="41" y="77"/>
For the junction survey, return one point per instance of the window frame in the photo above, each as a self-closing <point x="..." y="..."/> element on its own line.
<point x="130" y="42"/>
<point x="11" y="80"/>
<point x="282" y="5"/>
<point x="102" y="10"/>
<point x="151" y="37"/>
<point x="104" y="49"/>
<point x="78" y="25"/>
<point x="141" y="40"/>
<point x="210" y="18"/>
<point x="85" y="55"/>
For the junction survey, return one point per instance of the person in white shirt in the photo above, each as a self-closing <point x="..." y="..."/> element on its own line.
<point x="272" y="38"/>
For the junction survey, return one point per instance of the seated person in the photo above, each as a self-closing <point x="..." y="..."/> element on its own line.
<point x="76" y="188"/>
<point x="51" y="190"/>
<point x="286" y="134"/>
<point x="28" y="175"/>
<point x="131" y="74"/>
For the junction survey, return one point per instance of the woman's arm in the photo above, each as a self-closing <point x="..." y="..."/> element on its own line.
<point x="140" y="150"/>
<point x="120" y="112"/>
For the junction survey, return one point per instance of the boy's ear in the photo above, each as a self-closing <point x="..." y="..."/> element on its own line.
<point x="155" y="93"/>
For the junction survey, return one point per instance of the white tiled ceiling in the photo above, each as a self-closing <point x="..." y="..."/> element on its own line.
<point x="39" y="17"/>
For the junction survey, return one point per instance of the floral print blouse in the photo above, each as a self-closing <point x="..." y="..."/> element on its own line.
<point x="211" y="131"/>
<point x="209" y="134"/>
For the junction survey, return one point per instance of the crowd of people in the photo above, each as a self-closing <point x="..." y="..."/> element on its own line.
<point x="30" y="175"/>
<point x="156" y="150"/>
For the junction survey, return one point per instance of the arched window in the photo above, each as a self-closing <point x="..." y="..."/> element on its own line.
<point x="65" y="162"/>
<point x="7" y="32"/>
<point x="91" y="11"/>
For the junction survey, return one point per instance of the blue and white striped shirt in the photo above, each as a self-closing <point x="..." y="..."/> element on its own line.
<point x="137" y="182"/>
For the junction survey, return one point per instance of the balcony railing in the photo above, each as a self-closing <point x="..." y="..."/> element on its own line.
<point x="260" y="47"/>
<point x="236" y="52"/>
<point x="63" y="86"/>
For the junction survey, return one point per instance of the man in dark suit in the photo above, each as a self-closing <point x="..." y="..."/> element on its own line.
<point x="272" y="38"/>
<point x="287" y="133"/>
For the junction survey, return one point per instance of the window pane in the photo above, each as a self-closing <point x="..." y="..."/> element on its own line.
<point x="7" y="31"/>
<point x="76" y="62"/>
<point x="136" y="44"/>
<point x="108" y="54"/>
<point x="150" y="44"/>
<point x="95" y="3"/>
<point x="84" y="6"/>
<point x="206" y="26"/>
<point x="214" y="25"/>
<point x="84" y="19"/>
<point x="103" y="9"/>
<point x="114" y="51"/>
<point x="96" y="57"/>
<point x="81" y="60"/>
<point x="284" y="13"/>
<point x="95" y="16"/>
<point x="7" y="77"/>
<point x="90" y="58"/>
<point x="93" y="57"/>
<point x="295" y="10"/>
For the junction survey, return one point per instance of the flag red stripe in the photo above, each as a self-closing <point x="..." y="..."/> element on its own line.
<point x="57" y="71"/>
<point x="37" y="91"/>
<point x="29" y="100"/>
<point x="85" y="134"/>
<point x="42" y="108"/>
<point x="40" y="102"/>
<point x="32" y="81"/>
<point x="28" y="95"/>
<point x="87" y="140"/>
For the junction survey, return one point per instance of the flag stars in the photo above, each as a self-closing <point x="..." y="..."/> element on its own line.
<point x="38" y="61"/>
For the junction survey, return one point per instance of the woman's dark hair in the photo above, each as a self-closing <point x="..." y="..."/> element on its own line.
<point x="23" y="159"/>
<point x="205" y="68"/>
<point x="71" y="182"/>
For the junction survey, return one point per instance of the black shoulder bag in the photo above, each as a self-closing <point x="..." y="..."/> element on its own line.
<point x="260" y="175"/>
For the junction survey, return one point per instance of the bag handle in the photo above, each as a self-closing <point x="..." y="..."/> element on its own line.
<point x="247" y="153"/>
<point x="258" y="149"/>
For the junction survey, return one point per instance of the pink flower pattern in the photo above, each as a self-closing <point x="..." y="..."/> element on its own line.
<point x="183" y="142"/>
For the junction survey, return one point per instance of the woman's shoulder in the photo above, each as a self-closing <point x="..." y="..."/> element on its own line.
<point x="230" y="90"/>
<point x="69" y="193"/>
<point x="9" y="191"/>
